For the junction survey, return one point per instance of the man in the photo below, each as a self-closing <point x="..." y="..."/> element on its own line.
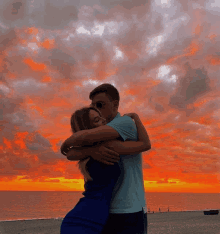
<point x="127" y="210"/>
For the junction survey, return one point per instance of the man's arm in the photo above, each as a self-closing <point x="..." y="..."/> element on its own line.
<point x="88" y="137"/>
<point x="106" y="133"/>
<point x="127" y="147"/>
<point x="108" y="151"/>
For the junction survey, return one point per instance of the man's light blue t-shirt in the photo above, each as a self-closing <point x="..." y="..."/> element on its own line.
<point x="128" y="194"/>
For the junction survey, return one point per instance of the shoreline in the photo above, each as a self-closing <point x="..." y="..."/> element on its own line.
<point x="180" y="222"/>
<point x="57" y="218"/>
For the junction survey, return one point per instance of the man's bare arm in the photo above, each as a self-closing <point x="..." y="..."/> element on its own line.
<point x="127" y="147"/>
<point x="108" y="151"/>
<point x="117" y="146"/>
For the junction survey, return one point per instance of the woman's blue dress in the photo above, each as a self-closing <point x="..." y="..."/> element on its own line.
<point x="91" y="212"/>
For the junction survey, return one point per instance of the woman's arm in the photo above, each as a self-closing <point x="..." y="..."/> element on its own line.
<point x="98" y="152"/>
<point x="126" y="147"/>
<point x="78" y="153"/>
<point x="131" y="147"/>
<point x="75" y="140"/>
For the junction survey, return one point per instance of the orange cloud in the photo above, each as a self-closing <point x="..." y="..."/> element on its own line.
<point x="200" y="103"/>
<point x="19" y="139"/>
<point x="213" y="60"/>
<point x="48" y="44"/>
<point x="205" y="120"/>
<point x="212" y="37"/>
<point x="32" y="30"/>
<point x="198" y="29"/>
<point x="35" y="66"/>
<point x="38" y="109"/>
<point x="191" y="50"/>
<point x="7" y="143"/>
<point x="11" y="75"/>
<point x="54" y="143"/>
<point x="46" y="79"/>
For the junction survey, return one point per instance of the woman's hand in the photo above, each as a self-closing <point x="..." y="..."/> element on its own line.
<point x="132" y="115"/>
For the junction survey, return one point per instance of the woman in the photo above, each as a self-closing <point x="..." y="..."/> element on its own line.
<point x="91" y="212"/>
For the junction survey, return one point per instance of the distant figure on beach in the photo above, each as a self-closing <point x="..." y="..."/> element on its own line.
<point x="108" y="147"/>
<point x="159" y="209"/>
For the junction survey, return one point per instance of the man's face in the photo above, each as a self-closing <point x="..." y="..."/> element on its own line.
<point x="107" y="108"/>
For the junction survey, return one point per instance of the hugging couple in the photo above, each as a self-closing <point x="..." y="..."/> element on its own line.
<point x="108" y="147"/>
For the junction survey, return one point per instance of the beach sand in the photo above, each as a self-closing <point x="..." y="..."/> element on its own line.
<point x="194" y="222"/>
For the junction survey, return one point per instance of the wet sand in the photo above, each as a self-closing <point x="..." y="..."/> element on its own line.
<point x="194" y="222"/>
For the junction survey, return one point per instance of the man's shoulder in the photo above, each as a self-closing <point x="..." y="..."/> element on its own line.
<point x="121" y="120"/>
<point x="125" y="126"/>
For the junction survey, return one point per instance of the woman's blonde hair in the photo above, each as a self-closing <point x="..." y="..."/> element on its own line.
<point x="80" y="120"/>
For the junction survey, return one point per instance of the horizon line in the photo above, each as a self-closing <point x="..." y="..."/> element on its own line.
<point x="84" y="190"/>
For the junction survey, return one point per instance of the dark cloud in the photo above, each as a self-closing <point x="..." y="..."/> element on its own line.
<point x="127" y="4"/>
<point x="58" y="16"/>
<point x="38" y="142"/>
<point x="13" y="11"/>
<point x="62" y="62"/>
<point x="8" y="38"/>
<point x="194" y="84"/>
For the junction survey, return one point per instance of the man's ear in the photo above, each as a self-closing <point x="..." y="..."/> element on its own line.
<point x="116" y="104"/>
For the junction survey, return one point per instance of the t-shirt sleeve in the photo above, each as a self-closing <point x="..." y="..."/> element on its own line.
<point x="126" y="128"/>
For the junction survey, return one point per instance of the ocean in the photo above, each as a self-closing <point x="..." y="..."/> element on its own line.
<point x="26" y="205"/>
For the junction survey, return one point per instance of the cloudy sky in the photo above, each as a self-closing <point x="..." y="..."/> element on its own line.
<point x="164" y="58"/>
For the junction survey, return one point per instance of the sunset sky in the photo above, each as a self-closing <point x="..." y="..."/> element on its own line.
<point x="164" y="58"/>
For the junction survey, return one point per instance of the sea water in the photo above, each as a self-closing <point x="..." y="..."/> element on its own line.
<point x="21" y="205"/>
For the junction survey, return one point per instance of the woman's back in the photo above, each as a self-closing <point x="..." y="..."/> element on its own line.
<point x="91" y="212"/>
<point x="104" y="178"/>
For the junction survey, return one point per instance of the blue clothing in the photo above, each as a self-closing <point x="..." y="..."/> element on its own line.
<point x="91" y="212"/>
<point x="130" y="197"/>
<point x="114" y="189"/>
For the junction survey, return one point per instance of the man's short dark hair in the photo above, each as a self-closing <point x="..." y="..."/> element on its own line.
<point x="109" y="89"/>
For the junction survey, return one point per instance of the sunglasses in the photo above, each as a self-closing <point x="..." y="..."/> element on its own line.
<point x="99" y="105"/>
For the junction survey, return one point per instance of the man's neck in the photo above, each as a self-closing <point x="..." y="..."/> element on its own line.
<point x="113" y="117"/>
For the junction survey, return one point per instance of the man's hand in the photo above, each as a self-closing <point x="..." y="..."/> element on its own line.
<point x="132" y="115"/>
<point x="103" y="154"/>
